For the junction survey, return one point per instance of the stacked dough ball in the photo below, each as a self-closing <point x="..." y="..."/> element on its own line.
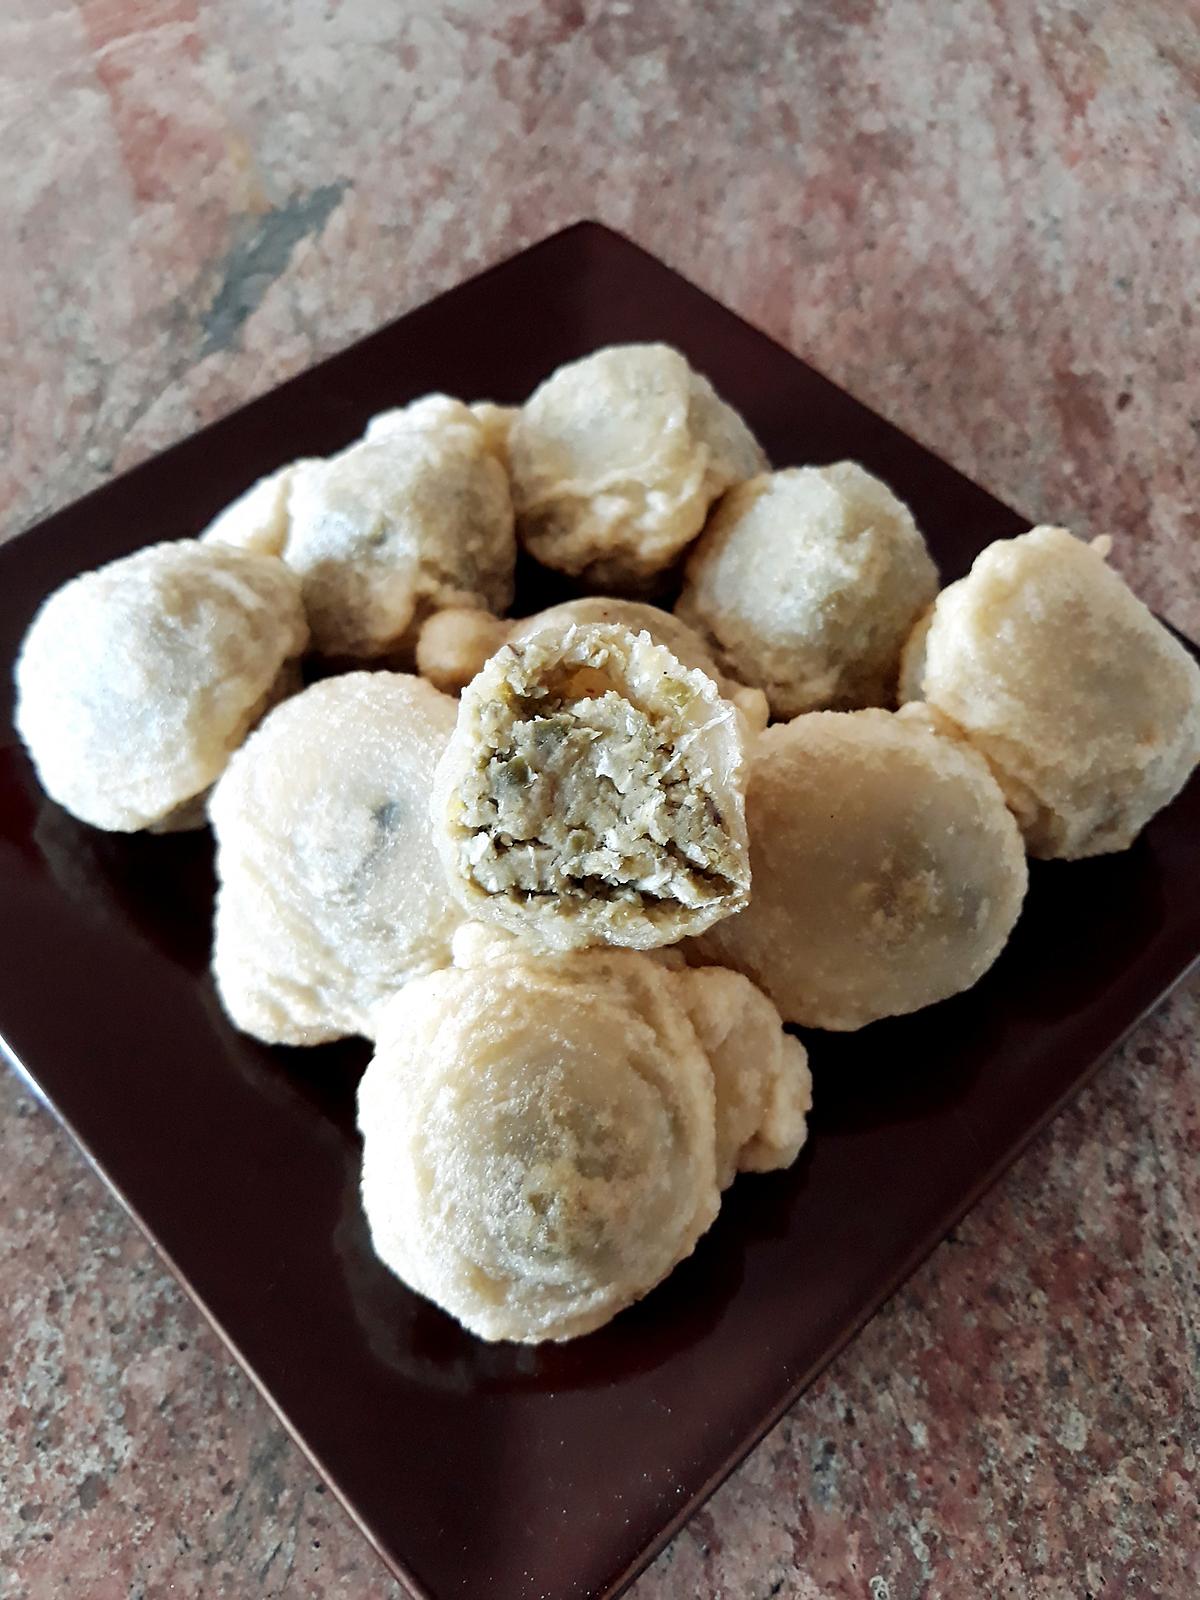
<point x="574" y="906"/>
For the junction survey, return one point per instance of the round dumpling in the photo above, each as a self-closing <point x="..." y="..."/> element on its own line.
<point x="136" y="682"/>
<point x="761" y="1079"/>
<point x="399" y="525"/>
<point x="615" y="460"/>
<point x="539" y="1137"/>
<point x="1087" y="709"/>
<point x="454" y="644"/>
<point x="592" y="793"/>
<point x="330" y="892"/>
<point x="807" y="582"/>
<point x="888" y="871"/>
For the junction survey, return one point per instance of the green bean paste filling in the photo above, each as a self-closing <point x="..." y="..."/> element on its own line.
<point x="581" y="794"/>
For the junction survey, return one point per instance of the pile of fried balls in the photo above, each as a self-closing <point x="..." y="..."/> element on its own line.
<point x="573" y="873"/>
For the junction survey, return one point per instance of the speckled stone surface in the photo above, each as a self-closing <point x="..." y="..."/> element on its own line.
<point x="980" y="218"/>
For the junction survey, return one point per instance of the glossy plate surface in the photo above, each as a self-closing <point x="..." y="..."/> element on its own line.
<point x="501" y="1471"/>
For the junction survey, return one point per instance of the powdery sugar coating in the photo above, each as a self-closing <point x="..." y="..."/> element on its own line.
<point x="615" y="460"/>
<point x="539" y="1137"/>
<point x="592" y="793"/>
<point x="888" y="872"/>
<point x="331" y="893"/>
<point x="806" y="582"/>
<point x="416" y="517"/>
<point x="1086" y="708"/>
<point x="137" y="681"/>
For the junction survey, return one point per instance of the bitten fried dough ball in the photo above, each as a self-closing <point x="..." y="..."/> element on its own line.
<point x="136" y="682"/>
<point x="1087" y="709"/>
<point x="888" y="871"/>
<point x="406" y="522"/>
<point x="592" y="793"/>
<point x="807" y="582"/>
<point x="683" y="642"/>
<point x="331" y="893"/>
<point x="453" y="645"/>
<point x="615" y="460"/>
<point x="541" y="1134"/>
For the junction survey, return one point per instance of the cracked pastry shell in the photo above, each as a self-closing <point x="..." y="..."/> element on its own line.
<point x="592" y="793"/>
<point x="453" y="645"/>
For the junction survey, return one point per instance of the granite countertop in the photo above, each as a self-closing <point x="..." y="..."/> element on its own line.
<point x="981" y="219"/>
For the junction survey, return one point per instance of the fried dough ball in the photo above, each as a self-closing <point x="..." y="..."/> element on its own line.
<point x="615" y="460"/>
<point x="453" y="645"/>
<point x="541" y="1134"/>
<point x="592" y="793"/>
<point x="807" y="582"/>
<point x="258" y="519"/>
<point x="1086" y="708"/>
<point x="331" y="893"/>
<point x="760" y="1074"/>
<point x="888" y="871"/>
<point x="397" y="526"/>
<point x="136" y="682"/>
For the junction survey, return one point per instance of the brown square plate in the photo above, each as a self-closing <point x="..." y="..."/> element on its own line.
<point x="493" y="1470"/>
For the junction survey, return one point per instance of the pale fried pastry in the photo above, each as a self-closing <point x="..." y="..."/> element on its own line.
<point x="454" y="644"/>
<point x="398" y="526"/>
<point x="545" y="1136"/>
<point x="539" y="1139"/>
<point x="888" y="871"/>
<point x="330" y="893"/>
<point x="136" y="682"/>
<point x="806" y="583"/>
<point x="436" y="411"/>
<point x="1087" y="710"/>
<point x="257" y="520"/>
<point x="760" y="1073"/>
<point x="615" y="460"/>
